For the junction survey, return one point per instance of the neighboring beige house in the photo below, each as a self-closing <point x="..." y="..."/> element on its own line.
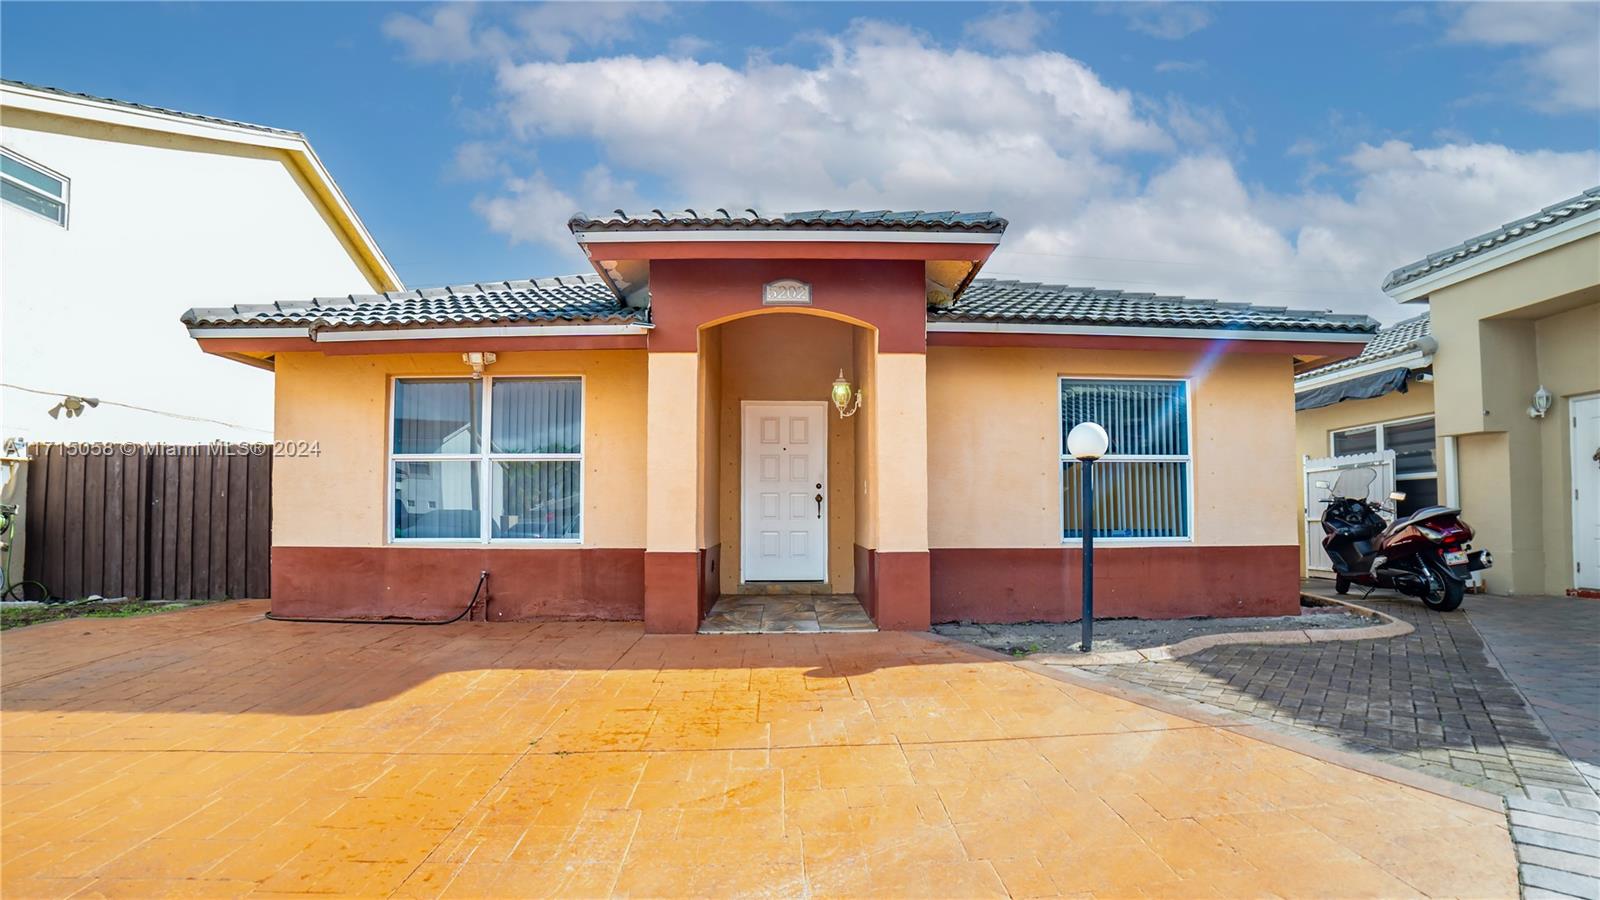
<point x="1380" y="400"/>
<point x="113" y="214"/>
<point x="1516" y="391"/>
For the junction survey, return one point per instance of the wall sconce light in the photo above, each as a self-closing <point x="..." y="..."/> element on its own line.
<point x="1541" y="403"/>
<point x="841" y="395"/>
<point x="477" y="361"/>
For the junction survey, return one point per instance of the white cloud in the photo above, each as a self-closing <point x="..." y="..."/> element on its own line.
<point x="1167" y="21"/>
<point x="884" y="117"/>
<point x="1013" y="28"/>
<point x="688" y="45"/>
<point x="1196" y="228"/>
<point x="1562" y="42"/>
<point x="476" y="161"/>
<point x="462" y="32"/>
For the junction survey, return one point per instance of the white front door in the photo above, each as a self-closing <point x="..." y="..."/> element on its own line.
<point x="784" y="511"/>
<point x="1586" y="492"/>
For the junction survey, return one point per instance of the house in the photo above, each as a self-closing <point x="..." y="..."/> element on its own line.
<point x="1516" y="390"/>
<point x="1380" y="400"/>
<point x="113" y="212"/>
<point x="817" y="401"/>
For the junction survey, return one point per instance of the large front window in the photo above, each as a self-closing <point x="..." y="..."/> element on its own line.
<point x="1142" y="484"/>
<point x="489" y="460"/>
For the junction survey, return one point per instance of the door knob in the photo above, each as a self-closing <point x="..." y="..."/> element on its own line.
<point x="819" y="506"/>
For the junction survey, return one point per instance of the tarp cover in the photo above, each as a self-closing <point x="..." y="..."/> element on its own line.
<point x="1364" y="388"/>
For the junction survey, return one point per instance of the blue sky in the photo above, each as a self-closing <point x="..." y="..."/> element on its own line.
<point x="1286" y="154"/>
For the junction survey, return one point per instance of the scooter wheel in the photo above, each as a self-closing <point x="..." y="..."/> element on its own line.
<point x="1341" y="586"/>
<point x="1449" y="597"/>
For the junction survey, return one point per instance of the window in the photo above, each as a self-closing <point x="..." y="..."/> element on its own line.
<point x="1412" y="441"/>
<point x="1142" y="484"/>
<point x="524" y="482"/>
<point x="33" y="187"/>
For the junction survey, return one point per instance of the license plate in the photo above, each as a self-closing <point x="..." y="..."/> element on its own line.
<point x="1458" y="558"/>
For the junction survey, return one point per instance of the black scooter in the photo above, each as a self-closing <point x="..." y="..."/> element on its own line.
<point x="1424" y="555"/>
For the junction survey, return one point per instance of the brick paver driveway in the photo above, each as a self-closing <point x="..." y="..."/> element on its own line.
<point x="214" y="753"/>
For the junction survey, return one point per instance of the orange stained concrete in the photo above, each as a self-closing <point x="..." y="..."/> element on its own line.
<point x="213" y="753"/>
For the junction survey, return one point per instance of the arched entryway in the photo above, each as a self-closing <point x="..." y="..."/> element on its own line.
<point x="782" y="480"/>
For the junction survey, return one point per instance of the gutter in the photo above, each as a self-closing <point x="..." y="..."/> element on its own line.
<point x="1216" y="334"/>
<point x="324" y="336"/>
<point x="825" y="235"/>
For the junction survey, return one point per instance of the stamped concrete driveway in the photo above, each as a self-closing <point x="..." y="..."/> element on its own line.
<point x="214" y="753"/>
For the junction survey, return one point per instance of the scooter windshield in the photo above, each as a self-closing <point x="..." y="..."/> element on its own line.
<point x="1353" y="483"/>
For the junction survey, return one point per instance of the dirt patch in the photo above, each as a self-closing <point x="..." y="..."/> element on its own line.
<point x="16" y="615"/>
<point x="1111" y="635"/>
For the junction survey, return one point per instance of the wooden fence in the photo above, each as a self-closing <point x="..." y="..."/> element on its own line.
<point x="158" y="521"/>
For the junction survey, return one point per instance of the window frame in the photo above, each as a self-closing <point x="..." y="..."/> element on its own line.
<point x="1065" y="457"/>
<point x="486" y="459"/>
<point x="66" y="188"/>
<point x="1382" y="445"/>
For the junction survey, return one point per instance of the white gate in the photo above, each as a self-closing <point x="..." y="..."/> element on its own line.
<point x="1326" y="470"/>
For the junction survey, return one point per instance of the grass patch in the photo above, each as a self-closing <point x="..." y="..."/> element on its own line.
<point x="19" y="616"/>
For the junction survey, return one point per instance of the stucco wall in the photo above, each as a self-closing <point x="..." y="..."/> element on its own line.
<point x="994" y="443"/>
<point x="787" y="356"/>
<point x="1502" y="334"/>
<point x="338" y="497"/>
<point x="1568" y="345"/>
<point x="168" y="223"/>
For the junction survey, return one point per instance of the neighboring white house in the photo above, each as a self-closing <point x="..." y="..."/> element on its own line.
<point x="116" y="215"/>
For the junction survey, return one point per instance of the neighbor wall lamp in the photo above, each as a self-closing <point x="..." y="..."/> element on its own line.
<point x="845" y="398"/>
<point x="1541" y="403"/>
<point x="477" y="361"/>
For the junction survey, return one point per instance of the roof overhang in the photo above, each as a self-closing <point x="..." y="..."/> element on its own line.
<point x="622" y="258"/>
<point x="1322" y="346"/>
<point x="379" y="272"/>
<point x="785" y="235"/>
<point x="1574" y="229"/>
<point x="237" y="342"/>
<point x="1414" y="359"/>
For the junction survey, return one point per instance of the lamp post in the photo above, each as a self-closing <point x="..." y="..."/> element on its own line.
<point x="1087" y="442"/>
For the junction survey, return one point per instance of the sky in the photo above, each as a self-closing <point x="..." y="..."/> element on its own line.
<point x="1278" y="154"/>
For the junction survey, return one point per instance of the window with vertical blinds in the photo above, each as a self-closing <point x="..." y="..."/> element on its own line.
<point x="496" y="459"/>
<point x="1142" y="484"/>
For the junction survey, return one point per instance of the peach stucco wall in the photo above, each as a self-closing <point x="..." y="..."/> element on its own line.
<point x="337" y="497"/>
<point x="993" y="457"/>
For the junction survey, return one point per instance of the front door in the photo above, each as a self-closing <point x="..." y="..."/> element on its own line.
<point x="1586" y="491"/>
<point x="784" y="510"/>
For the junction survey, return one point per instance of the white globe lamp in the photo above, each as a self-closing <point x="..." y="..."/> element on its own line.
<point x="1087" y="441"/>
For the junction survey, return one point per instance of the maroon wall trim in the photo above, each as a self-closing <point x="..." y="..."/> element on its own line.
<point x="864" y="581"/>
<point x="710" y="578"/>
<point x="1325" y="351"/>
<point x="672" y="592"/>
<point x="1045" y="584"/>
<point x="431" y="582"/>
<point x="900" y="590"/>
<point x="889" y="295"/>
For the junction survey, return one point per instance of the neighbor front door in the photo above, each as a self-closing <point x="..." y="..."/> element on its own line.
<point x="784" y="507"/>
<point x="1586" y="491"/>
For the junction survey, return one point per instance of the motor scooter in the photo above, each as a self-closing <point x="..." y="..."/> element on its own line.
<point x="1427" y="555"/>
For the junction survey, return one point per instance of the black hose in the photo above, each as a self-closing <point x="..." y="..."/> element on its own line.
<point x="483" y="579"/>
